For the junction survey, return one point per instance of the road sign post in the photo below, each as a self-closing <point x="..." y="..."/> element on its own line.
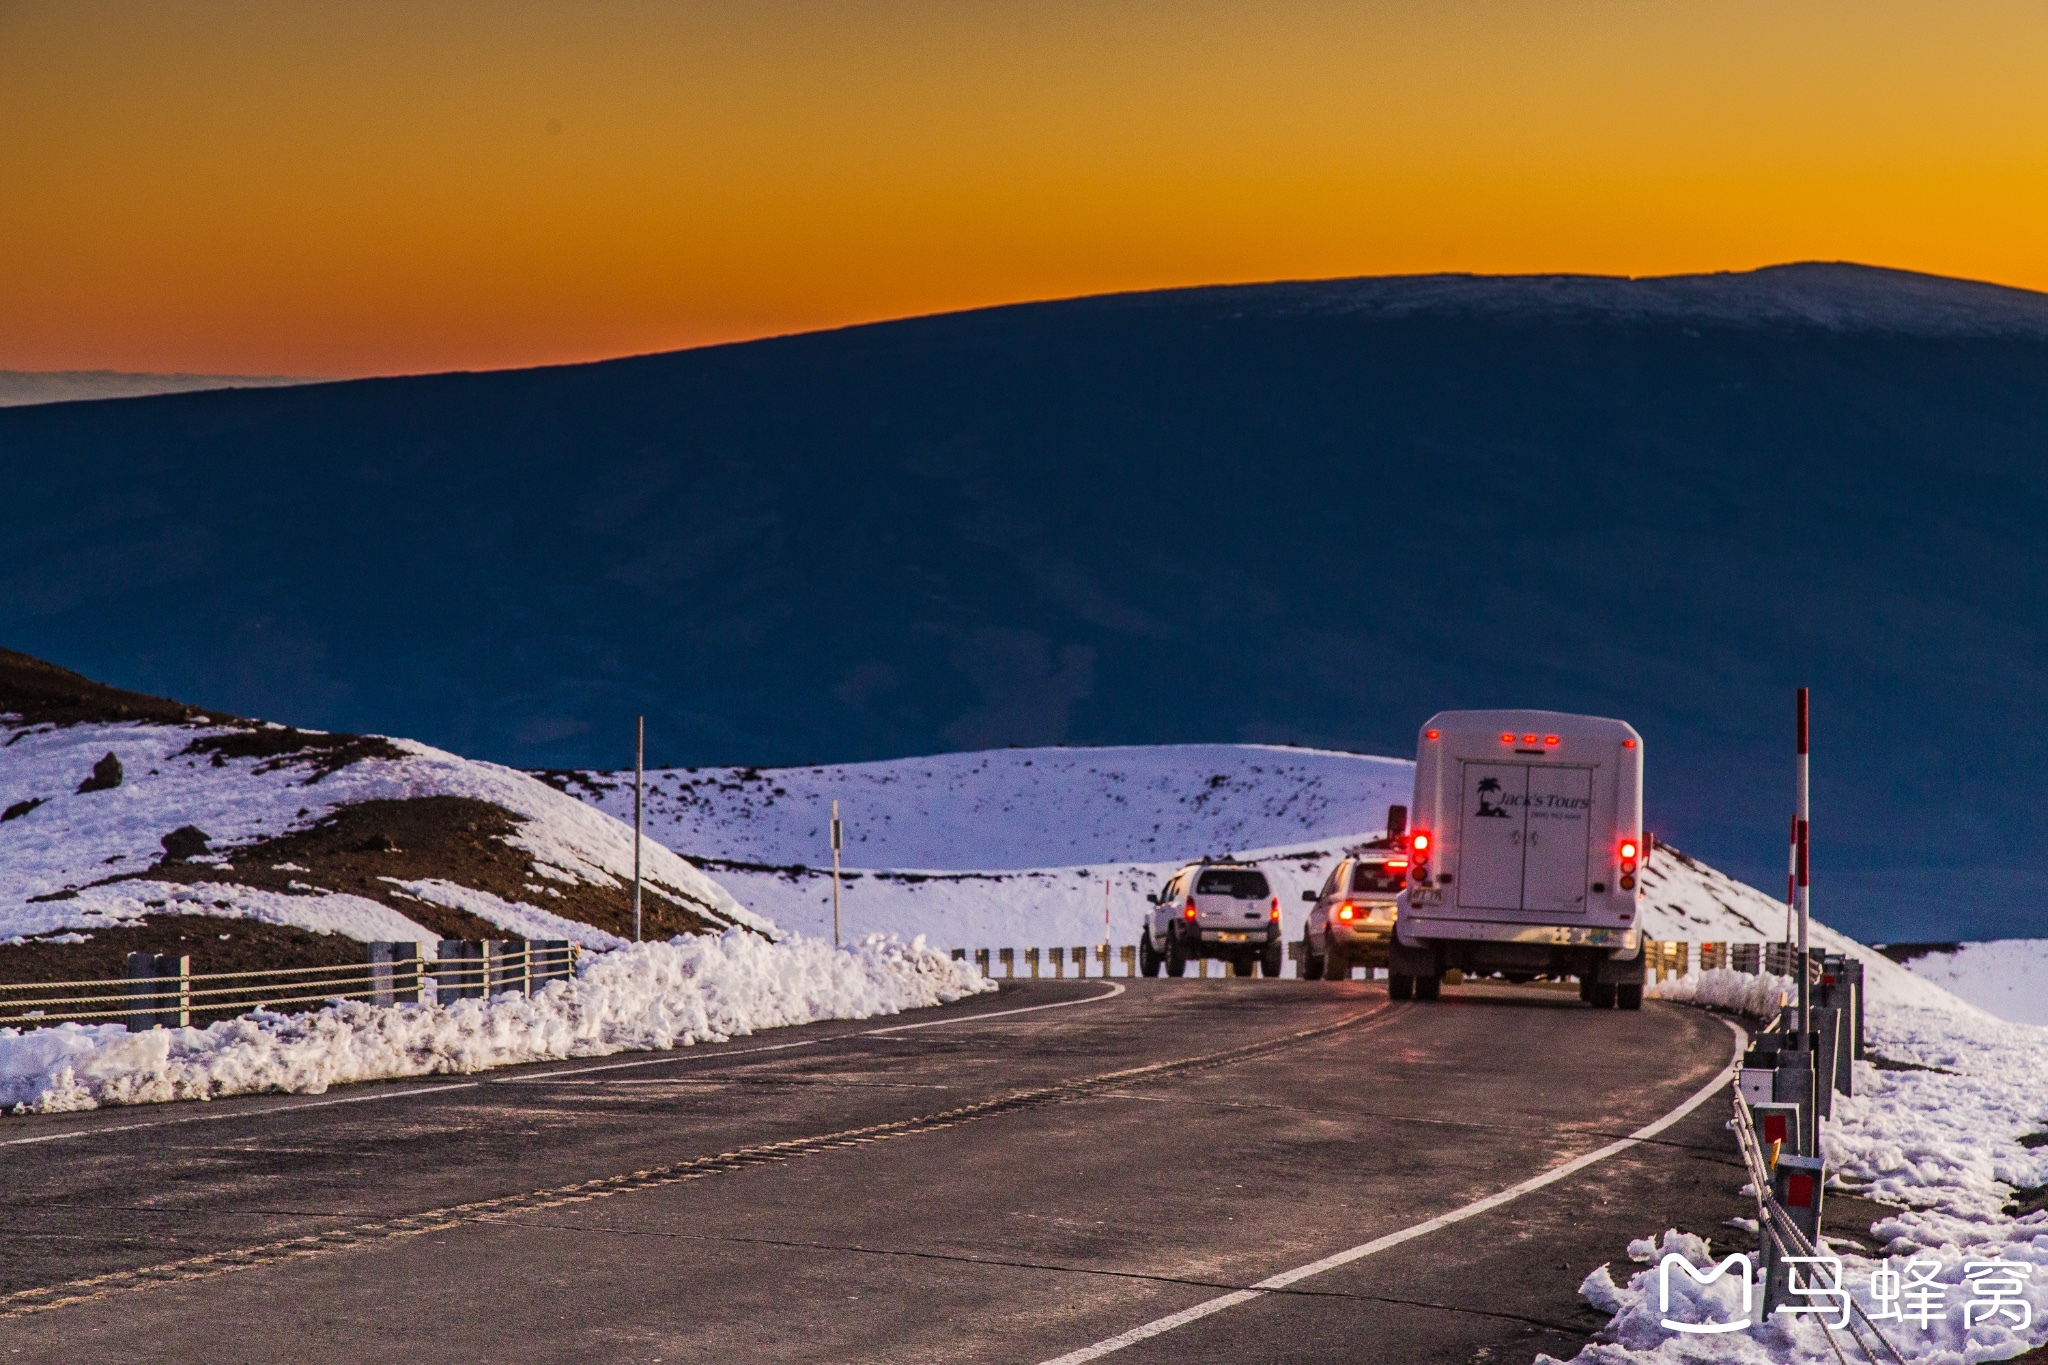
<point x="835" y="874"/>
<point x="639" y="781"/>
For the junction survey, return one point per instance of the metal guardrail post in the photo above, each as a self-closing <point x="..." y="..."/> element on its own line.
<point x="141" y="992"/>
<point x="1080" y="956"/>
<point x="1058" y="957"/>
<point x="959" y="954"/>
<point x="551" y="959"/>
<point x="1128" y="955"/>
<point x="1797" y="1183"/>
<point x="459" y="975"/>
<point x="1102" y="956"/>
<point x="1747" y="958"/>
<point x="981" y="961"/>
<point x="1031" y="961"/>
<point x="1008" y="957"/>
<point x="1794" y="1085"/>
<point x="382" y="991"/>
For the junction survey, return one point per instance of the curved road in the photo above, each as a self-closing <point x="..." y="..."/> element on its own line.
<point x="990" y="1182"/>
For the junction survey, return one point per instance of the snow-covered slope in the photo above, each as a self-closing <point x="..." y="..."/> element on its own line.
<point x="2008" y="977"/>
<point x="1014" y="808"/>
<point x="104" y="822"/>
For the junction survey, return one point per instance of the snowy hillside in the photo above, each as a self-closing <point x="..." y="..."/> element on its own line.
<point x="110" y="822"/>
<point x="1014" y="808"/>
<point x="1059" y="846"/>
<point x="2008" y="977"/>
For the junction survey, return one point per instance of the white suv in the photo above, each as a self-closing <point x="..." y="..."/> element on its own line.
<point x="1353" y="919"/>
<point x="1217" y="909"/>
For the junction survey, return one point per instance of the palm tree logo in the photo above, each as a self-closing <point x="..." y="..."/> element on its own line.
<point x="1489" y="799"/>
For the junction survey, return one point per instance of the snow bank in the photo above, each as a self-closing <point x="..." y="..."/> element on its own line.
<point x="649" y="996"/>
<point x="1759" y="997"/>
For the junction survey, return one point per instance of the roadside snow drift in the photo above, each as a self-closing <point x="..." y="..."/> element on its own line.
<point x="647" y="996"/>
<point x="2008" y="977"/>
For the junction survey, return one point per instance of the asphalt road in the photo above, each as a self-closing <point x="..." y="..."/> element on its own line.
<point x="996" y="1186"/>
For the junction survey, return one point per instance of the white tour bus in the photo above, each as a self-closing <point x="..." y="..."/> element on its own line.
<point x="1525" y="841"/>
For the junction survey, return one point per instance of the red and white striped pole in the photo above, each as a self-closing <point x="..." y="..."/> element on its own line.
<point x="1791" y="877"/>
<point x="1800" y="836"/>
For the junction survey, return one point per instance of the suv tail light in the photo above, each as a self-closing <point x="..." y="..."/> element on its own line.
<point x="1347" y="912"/>
<point x="1275" y="914"/>
<point x="1189" y="913"/>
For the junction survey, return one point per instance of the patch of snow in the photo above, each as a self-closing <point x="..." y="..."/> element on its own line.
<point x="515" y="917"/>
<point x="649" y="996"/>
<point x="356" y="917"/>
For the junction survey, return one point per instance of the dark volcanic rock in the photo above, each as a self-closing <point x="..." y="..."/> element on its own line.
<point x="187" y="841"/>
<point x="106" y="775"/>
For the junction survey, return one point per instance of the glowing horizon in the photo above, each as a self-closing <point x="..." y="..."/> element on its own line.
<point x="232" y="188"/>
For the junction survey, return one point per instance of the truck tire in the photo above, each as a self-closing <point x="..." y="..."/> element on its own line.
<point x="1311" y="964"/>
<point x="1400" y="986"/>
<point x="1629" y="997"/>
<point x="1273" y="959"/>
<point x="1176" y="955"/>
<point x="1148" y="956"/>
<point x="1602" y="996"/>
<point x="1428" y="987"/>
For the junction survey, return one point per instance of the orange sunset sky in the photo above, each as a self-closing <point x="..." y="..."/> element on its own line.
<point x="283" y="187"/>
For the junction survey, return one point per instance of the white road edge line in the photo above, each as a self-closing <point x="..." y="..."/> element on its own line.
<point x="1159" y="1326"/>
<point x="1115" y="990"/>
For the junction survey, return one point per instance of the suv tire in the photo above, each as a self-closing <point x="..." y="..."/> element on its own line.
<point x="1601" y="996"/>
<point x="1148" y="956"/>
<point x="1176" y="955"/>
<point x="1242" y="966"/>
<point x="1336" y="966"/>
<point x="1311" y="964"/>
<point x="1273" y="960"/>
<point x="1400" y="986"/>
<point x="1428" y="987"/>
<point x="1629" y="997"/>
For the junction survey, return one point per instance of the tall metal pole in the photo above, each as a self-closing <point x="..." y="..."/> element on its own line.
<point x="639" y="781"/>
<point x="835" y="874"/>
<point x="1805" y="894"/>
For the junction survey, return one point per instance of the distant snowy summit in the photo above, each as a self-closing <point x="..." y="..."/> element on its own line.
<point x="1829" y="295"/>
<point x="23" y="388"/>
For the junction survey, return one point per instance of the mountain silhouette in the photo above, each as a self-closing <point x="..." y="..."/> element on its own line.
<point x="1305" y="512"/>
